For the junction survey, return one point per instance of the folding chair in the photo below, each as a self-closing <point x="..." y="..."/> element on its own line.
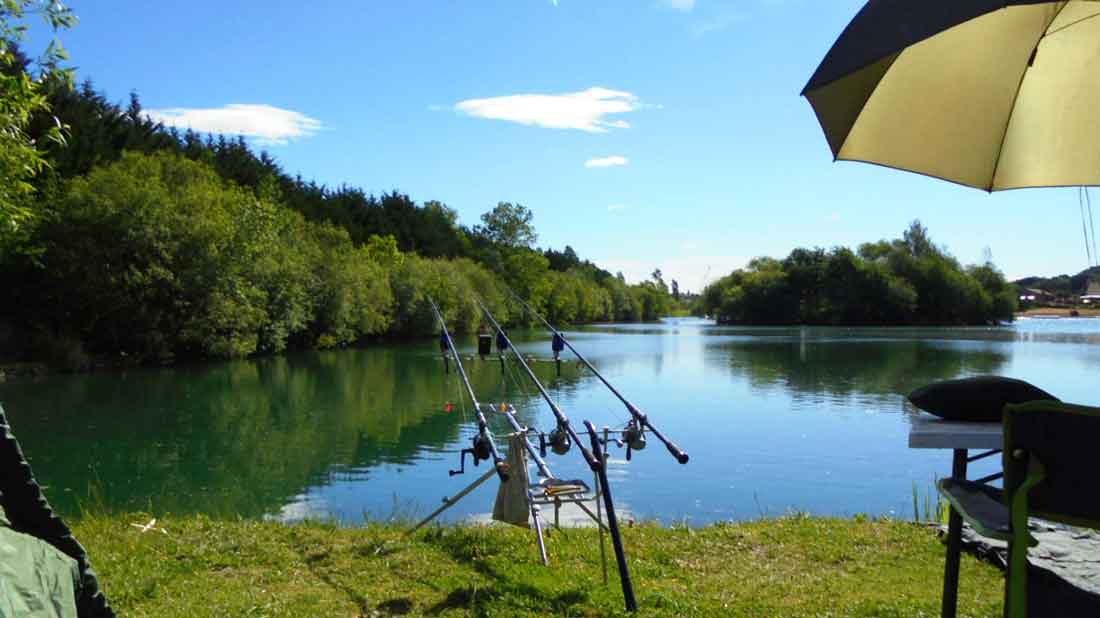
<point x="1050" y="457"/>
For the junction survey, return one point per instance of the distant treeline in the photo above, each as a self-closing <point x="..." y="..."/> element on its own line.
<point x="1063" y="285"/>
<point x="152" y="244"/>
<point x="900" y="282"/>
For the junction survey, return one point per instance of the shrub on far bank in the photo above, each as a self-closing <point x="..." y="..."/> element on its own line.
<point x="900" y="282"/>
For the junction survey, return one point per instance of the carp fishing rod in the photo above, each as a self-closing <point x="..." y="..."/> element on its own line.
<point x="563" y="421"/>
<point x="483" y="445"/>
<point x="634" y="436"/>
<point x="597" y="462"/>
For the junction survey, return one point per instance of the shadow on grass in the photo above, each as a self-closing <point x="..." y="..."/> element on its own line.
<point x="314" y="559"/>
<point x="468" y="549"/>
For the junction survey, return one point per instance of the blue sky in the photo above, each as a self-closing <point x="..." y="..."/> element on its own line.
<point x="644" y="133"/>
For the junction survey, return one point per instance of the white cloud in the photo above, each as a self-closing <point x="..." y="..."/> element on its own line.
<point x="616" y="207"/>
<point x="716" y="24"/>
<point x="586" y="110"/>
<point x="679" y="5"/>
<point x="266" y="123"/>
<point x="607" y="161"/>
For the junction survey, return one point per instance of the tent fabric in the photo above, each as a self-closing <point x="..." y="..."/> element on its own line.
<point x="513" y="504"/>
<point x="993" y="95"/>
<point x="28" y="512"/>
<point x="37" y="580"/>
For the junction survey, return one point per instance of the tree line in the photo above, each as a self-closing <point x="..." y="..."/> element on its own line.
<point x="138" y="242"/>
<point x="1063" y="285"/>
<point x="906" y="281"/>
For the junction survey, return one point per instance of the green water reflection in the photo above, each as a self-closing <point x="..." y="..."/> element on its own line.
<point x="851" y="367"/>
<point x="239" y="438"/>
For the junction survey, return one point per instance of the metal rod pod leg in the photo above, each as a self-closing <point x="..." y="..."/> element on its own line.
<point x="538" y="532"/>
<point x="612" y="520"/>
<point x="449" y="502"/>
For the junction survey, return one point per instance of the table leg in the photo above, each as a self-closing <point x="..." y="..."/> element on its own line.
<point x="954" y="544"/>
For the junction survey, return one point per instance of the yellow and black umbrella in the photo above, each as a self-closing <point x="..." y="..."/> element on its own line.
<point x="993" y="94"/>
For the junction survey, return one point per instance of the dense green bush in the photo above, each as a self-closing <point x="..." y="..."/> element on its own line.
<point x="156" y="256"/>
<point x="900" y="282"/>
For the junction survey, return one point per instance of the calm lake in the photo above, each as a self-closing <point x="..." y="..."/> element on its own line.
<point x="775" y="419"/>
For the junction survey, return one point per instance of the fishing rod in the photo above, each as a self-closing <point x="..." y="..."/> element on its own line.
<point x="597" y="462"/>
<point x="563" y="420"/>
<point x="634" y="436"/>
<point x="483" y="445"/>
<point x="613" y="522"/>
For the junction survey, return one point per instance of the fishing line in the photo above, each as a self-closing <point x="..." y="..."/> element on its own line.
<point x="513" y="374"/>
<point x="1084" y="228"/>
<point x="461" y="402"/>
<point x="1088" y="202"/>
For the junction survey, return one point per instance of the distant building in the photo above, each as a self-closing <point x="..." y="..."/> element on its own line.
<point x="1092" y="295"/>
<point x="1035" y="295"/>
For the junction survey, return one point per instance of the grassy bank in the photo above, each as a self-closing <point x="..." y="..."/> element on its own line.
<point x="793" y="566"/>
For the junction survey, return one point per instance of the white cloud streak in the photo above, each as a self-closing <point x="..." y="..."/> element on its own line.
<point x="607" y="161"/>
<point x="265" y="123"/>
<point x="716" y="24"/>
<point x="679" y="5"/>
<point x="587" y="110"/>
<point x="616" y="207"/>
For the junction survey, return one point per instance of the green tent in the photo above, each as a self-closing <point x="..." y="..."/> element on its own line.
<point x="44" y="571"/>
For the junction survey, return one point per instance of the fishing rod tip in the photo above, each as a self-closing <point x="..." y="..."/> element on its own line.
<point x="680" y="455"/>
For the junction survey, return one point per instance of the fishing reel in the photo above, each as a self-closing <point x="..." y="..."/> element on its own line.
<point x="479" y="451"/>
<point x="634" y="437"/>
<point x="558" y="439"/>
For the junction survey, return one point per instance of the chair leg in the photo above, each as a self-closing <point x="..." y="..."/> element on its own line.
<point x="951" y="565"/>
<point x="1016" y="578"/>
<point x="954" y="544"/>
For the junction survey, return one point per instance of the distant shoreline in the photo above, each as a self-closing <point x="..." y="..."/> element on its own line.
<point x="1058" y="312"/>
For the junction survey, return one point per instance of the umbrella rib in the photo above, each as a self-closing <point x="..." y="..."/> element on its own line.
<point x="1071" y="24"/>
<point x="1016" y="97"/>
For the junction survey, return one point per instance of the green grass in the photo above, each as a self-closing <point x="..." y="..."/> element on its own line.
<point x="793" y="566"/>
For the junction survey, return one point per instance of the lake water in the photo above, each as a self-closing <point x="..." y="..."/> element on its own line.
<point x="775" y="419"/>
